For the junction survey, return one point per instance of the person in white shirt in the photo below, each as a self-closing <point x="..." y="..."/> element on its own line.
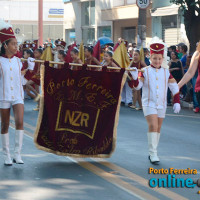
<point x="154" y="81"/>
<point x="11" y="93"/>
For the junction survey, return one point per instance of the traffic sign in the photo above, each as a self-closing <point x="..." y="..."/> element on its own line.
<point x="143" y="4"/>
<point x="17" y="30"/>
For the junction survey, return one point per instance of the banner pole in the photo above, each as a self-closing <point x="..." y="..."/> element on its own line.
<point x="75" y="64"/>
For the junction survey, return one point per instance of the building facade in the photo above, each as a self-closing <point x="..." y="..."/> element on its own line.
<point x="88" y="20"/>
<point x="23" y="15"/>
<point x="168" y="22"/>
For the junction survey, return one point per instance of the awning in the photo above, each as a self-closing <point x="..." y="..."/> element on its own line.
<point x="164" y="11"/>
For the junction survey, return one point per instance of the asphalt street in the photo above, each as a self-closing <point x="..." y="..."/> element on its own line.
<point x="124" y="176"/>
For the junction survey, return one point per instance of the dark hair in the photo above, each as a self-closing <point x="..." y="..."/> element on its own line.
<point x="75" y="50"/>
<point x="56" y="41"/>
<point x="184" y="47"/>
<point x="90" y="49"/>
<point x="62" y="52"/>
<point x="39" y="50"/>
<point x="110" y="53"/>
<point x="145" y="50"/>
<point x="137" y="51"/>
<point x="30" y="52"/>
<point x="173" y="47"/>
<point x="3" y="50"/>
<point x="176" y="54"/>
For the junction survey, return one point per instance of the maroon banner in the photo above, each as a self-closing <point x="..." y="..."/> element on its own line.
<point x="79" y="111"/>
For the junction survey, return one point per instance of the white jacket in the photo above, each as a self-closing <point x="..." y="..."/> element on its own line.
<point x="154" y="83"/>
<point x="10" y="79"/>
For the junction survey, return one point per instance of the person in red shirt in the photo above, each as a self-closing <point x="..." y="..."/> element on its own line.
<point x="139" y="64"/>
<point x="194" y="66"/>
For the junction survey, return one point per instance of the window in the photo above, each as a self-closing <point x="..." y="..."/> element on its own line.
<point x="104" y="31"/>
<point x="118" y="3"/>
<point x="129" y="2"/>
<point x="70" y="36"/>
<point x="88" y="13"/>
<point x="88" y="36"/>
<point x="129" y="34"/>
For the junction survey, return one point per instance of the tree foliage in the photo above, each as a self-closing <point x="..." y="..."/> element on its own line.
<point x="191" y="13"/>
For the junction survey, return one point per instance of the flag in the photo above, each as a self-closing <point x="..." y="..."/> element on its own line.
<point x="142" y="54"/>
<point x="68" y="57"/>
<point x="47" y="54"/>
<point x="71" y="125"/>
<point x="115" y="47"/>
<point x="97" y="51"/>
<point x="121" y="56"/>
<point x="81" y="52"/>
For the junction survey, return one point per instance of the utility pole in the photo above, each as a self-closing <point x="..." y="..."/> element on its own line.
<point x="40" y="22"/>
<point x="142" y="28"/>
<point x="141" y="36"/>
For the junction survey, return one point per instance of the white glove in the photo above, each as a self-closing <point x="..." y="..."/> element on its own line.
<point x="177" y="107"/>
<point x="134" y="73"/>
<point x="31" y="64"/>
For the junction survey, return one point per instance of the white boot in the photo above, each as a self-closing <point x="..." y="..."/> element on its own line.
<point x="158" y="138"/>
<point x="153" y="143"/>
<point x="6" y="151"/>
<point x="18" y="146"/>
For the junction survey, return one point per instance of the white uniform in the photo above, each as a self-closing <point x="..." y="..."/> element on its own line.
<point x="56" y="59"/>
<point x="127" y="94"/>
<point x="154" y="83"/>
<point x="11" y="90"/>
<point x="31" y="66"/>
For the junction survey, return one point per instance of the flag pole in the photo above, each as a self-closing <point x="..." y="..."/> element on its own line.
<point x="75" y="64"/>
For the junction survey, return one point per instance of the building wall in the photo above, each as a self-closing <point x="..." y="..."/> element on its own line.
<point x="173" y="35"/>
<point x="72" y="19"/>
<point x="120" y="24"/>
<point x="23" y="15"/>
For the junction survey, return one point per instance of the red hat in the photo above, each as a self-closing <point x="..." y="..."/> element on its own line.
<point x="126" y="43"/>
<point x="6" y="31"/>
<point x="157" y="48"/>
<point x="61" y="43"/>
<point x="33" y="45"/>
<point x="26" y="46"/>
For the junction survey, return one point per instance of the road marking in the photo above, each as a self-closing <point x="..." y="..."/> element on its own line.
<point x="139" y="179"/>
<point x="140" y="194"/>
<point x="25" y="124"/>
<point x="113" y="178"/>
<point x="187" y="116"/>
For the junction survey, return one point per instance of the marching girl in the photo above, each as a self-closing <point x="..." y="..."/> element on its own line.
<point x="35" y="79"/>
<point x="154" y="81"/>
<point x="11" y="93"/>
<point x="136" y="62"/>
<point x="89" y="58"/>
<point x="28" y="54"/>
<point x="61" y="58"/>
<point x="108" y="60"/>
<point x="74" y="54"/>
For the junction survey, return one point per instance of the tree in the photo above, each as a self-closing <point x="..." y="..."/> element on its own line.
<point x="191" y="13"/>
